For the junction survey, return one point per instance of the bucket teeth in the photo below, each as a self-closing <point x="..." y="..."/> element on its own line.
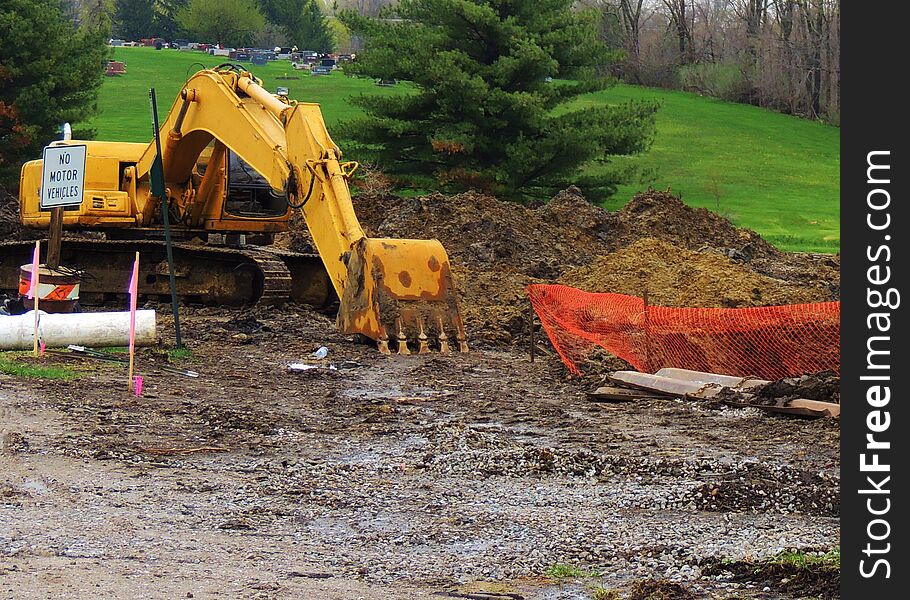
<point x="443" y="339"/>
<point x="422" y="343"/>
<point x="460" y="336"/>
<point x="383" y="343"/>
<point x="406" y="325"/>
<point x="402" y="340"/>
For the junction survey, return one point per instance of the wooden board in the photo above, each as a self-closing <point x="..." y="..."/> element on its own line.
<point x="798" y="407"/>
<point x="809" y="408"/>
<point x="609" y="393"/>
<point x="737" y="383"/>
<point x="667" y="386"/>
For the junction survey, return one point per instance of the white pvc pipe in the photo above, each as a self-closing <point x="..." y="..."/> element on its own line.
<point x="95" y="330"/>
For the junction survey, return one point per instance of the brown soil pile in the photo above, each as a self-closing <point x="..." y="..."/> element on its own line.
<point x="493" y="303"/>
<point x="663" y="216"/>
<point x="824" y="386"/>
<point x="481" y="231"/>
<point x="497" y="248"/>
<point x="297" y="238"/>
<point x="673" y="276"/>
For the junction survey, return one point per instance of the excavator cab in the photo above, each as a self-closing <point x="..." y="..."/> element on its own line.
<point x="248" y="192"/>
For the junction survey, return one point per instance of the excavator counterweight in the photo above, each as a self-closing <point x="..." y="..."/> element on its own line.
<point x="238" y="160"/>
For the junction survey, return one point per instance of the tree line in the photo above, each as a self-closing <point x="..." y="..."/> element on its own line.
<point x="263" y="23"/>
<point x="779" y="54"/>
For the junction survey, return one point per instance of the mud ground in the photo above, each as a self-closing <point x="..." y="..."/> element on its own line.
<point x="468" y="476"/>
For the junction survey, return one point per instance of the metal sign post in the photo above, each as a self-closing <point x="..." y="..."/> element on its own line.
<point x="158" y="189"/>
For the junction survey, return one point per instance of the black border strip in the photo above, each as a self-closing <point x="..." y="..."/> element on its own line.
<point x="874" y="109"/>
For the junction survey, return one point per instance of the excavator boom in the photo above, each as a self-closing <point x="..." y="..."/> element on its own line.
<point x="397" y="292"/>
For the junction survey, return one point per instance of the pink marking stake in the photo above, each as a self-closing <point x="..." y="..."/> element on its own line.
<point x="134" y="291"/>
<point x="137" y="387"/>
<point x="33" y="289"/>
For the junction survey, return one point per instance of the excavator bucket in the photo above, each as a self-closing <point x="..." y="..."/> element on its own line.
<point x="400" y="293"/>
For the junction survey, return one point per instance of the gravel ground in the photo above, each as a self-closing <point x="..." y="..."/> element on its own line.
<point x="399" y="477"/>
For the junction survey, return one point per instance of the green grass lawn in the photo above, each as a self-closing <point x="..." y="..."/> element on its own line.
<point x="774" y="173"/>
<point x="125" y="113"/>
<point x="777" y="174"/>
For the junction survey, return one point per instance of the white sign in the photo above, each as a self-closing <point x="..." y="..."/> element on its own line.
<point x="63" y="176"/>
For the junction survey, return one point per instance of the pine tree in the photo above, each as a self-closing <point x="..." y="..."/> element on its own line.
<point x="302" y="22"/>
<point x="166" y="13"/>
<point x="314" y="31"/>
<point x="50" y="72"/>
<point x="134" y="19"/>
<point x="494" y="79"/>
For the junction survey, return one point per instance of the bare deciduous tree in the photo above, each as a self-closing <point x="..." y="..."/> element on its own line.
<point x="682" y="19"/>
<point x="781" y="54"/>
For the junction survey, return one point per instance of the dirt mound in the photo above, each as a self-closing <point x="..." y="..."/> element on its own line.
<point x="823" y="386"/>
<point x="297" y="238"/>
<point x="493" y="303"/>
<point x="567" y="231"/>
<point x="497" y="248"/>
<point x="673" y="276"/>
<point x="819" y="271"/>
<point x="664" y="216"/>
<point x="684" y="256"/>
<point x="481" y="231"/>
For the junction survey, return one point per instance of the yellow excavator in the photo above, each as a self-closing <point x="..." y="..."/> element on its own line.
<point x="238" y="160"/>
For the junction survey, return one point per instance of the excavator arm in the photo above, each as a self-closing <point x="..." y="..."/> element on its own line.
<point x="395" y="291"/>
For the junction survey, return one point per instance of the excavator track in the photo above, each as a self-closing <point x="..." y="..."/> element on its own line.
<point x="210" y="275"/>
<point x="276" y="278"/>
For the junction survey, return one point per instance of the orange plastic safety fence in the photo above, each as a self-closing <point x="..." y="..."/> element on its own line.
<point x="769" y="342"/>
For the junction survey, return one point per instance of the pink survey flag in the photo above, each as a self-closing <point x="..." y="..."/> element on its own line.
<point x="33" y="284"/>
<point x="134" y="287"/>
<point x="133" y="291"/>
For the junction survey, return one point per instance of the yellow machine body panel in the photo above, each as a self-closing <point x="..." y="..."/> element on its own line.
<point x="237" y="158"/>
<point x="104" y="204"/>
